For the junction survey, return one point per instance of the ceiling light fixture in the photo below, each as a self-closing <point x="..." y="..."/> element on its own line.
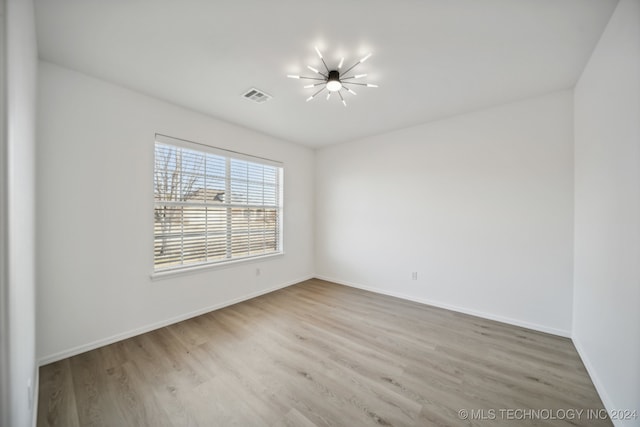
<point x="333" y="80"/>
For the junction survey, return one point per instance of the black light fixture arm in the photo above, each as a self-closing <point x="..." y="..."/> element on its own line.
<point x="352" y="67"/>
<point x="325" y="65"/>
<point x="314" y="95"/>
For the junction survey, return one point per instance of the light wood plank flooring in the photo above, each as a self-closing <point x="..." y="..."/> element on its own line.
<point x="321" y="354"/>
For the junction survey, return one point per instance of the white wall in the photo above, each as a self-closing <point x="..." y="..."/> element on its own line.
<point x="5" y="402"/>
<point x="95" y="217"/>
<point x="18" y="210"/>
<point x="479" y="205"/>
<point x="607" y="212"/>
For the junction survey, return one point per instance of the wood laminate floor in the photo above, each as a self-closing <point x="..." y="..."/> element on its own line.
<point x="321" y="354"/>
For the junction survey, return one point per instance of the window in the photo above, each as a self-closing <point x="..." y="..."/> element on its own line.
<point x="213" y="206"/>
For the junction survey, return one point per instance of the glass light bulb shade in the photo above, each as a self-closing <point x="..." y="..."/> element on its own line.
<point x="334" y="85"/>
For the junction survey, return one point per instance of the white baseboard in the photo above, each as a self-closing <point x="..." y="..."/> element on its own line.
<point x="36" y="394"/>
<point x="602" y="392"/>
<point x="472" y="312"/>
<point x="119" y="337"/>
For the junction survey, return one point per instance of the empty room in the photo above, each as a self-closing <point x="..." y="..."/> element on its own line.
<point x="286" y="213"/>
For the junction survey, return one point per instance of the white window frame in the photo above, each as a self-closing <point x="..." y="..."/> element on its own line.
<point x="160" y="271"/>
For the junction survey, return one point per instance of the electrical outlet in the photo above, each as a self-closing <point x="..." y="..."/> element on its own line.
<point x="414" y="275"/>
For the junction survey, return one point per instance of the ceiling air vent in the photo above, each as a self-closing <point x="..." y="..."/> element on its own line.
<point x="256" y="95"/>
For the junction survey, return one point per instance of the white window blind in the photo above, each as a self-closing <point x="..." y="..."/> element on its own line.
<point x="213" y="206"/>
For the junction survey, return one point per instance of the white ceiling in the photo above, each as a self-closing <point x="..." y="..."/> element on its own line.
<point x="431" y="58"/>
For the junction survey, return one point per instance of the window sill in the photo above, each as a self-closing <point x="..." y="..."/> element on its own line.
<point x="181" y="271"/>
